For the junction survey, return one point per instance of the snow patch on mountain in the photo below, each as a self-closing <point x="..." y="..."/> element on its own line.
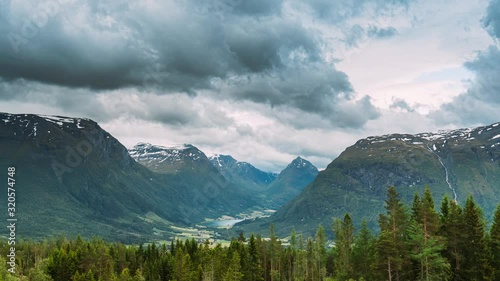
<point x="147" y="151"/>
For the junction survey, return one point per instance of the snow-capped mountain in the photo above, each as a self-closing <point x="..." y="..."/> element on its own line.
<point x="73" y="177"/>
<point x="455" y="163"/>
<point x="242" y="173"/>
<point x="172" y="159"/>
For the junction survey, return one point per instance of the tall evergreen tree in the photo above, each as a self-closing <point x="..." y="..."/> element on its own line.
<point x="363" y="253"/>
<point x="495" y="243"/>
<point x="444" y="210"/>
<point x="233" y="272"/>
<point x="344" y="239"/>
<point x="475" y="262"/>
<point x="453" y="231"/>
<point x="255" y="265"/>
<point x="392" y="252"/>
<point x="274" y="254"/>
<point x="320" y="249"/>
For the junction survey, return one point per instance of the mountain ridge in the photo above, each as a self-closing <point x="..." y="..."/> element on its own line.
<point x="292" y="180"/>
<point x="79" y="179"/>
<point x="455" y="163"/>
<point x="242" y="173"/>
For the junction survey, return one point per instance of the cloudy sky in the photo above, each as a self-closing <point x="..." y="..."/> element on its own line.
<point x="262" y="80"/>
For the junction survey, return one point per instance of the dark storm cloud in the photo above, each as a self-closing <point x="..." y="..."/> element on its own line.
<point x="311" y="88"/>
<point x="263" y="45"/>
<point x="242" y="50"/>
<point x="135" y="49"/>
<point x="181" y="52"/>
<point x="76" y="101"/>
<point x="184" y="51"/>
<point x="492" y="19"/>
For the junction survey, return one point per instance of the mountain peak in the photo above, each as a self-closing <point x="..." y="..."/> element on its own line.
<point x="242" y="172"/>
<point x="301" y="163"/>
<point x="292" y="180"/>
<point x="145" y="145"/>
<point x="167" y="159"/>
<point x="31" y="125"/>
<point x="221" y="160"/>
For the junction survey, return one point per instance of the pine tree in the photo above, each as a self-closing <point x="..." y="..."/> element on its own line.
<point x="125" y="275"/>
<point x="475" y="260"/>
<point x="344" y="239"/>
<point x="453" y="231"/>
<point x="427" y="252"/>
<point x="138" y="276"/>
<point x="293" y="255"/>
<point x="320" y="249"/>
<point x="445" y="210"/>
<point x="363" y="254"/>
<point x="233" y="272"/>
<point x="254" y="259"/>
<point x="416" y="207"/>
<point x="274" y="254"/>
<point x="495" y="243"/>
<point x="426" y="244"/>
<point x="301" y="260"/>
<point x="392" y="253"/>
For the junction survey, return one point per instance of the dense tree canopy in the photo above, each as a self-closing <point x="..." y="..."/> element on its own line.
<point x="414" y="243"/>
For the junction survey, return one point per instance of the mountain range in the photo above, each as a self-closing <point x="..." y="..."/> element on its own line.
<point x="455" y="163"/>
<point x="242" y="173"/>
<point x="73" y="177"/>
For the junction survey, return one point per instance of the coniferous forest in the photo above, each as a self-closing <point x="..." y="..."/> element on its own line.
<point x="416" y="242"/>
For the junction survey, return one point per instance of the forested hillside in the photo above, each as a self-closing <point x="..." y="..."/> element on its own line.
<point x="414" y="243"/>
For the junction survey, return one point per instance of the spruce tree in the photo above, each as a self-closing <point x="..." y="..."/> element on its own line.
<point x="363" y="254"/>
<point x="495" y="243"/>
<point x="320" y="250"/>
<point x="392" y="252"/>
<point x="233" y="272"/>
<point x="474" y="254"/>
<point x="344" y="239"/>
<point x="255" y="265"/>
<point x="453" y="231"/>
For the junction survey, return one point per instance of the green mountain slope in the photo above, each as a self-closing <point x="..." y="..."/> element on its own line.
<point x="456" y="163"/>
<point x="73" y="177"/>
<point x="204" y="192"/>
<point x="242" y="173"/>
<point x="291" y="181"/>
